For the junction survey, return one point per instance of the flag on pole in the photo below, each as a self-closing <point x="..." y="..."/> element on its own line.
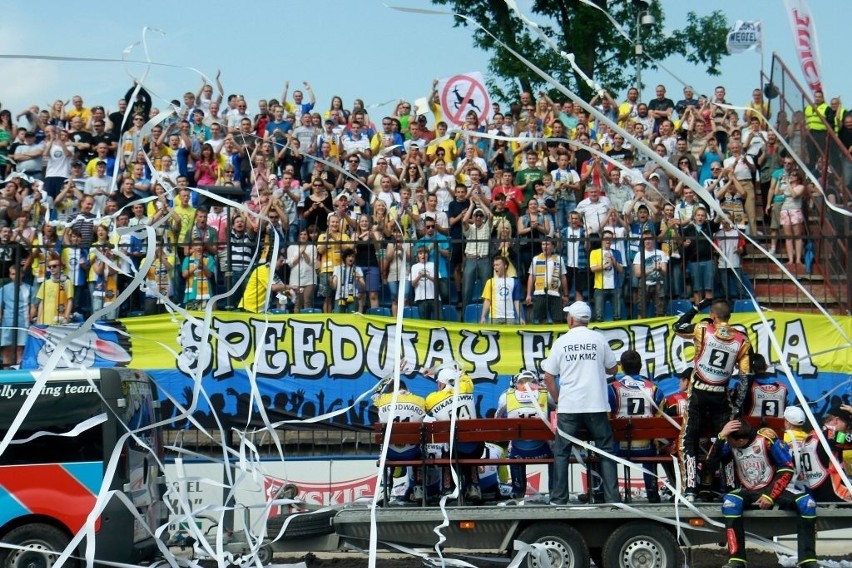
<point x="744" y="36"/>
<point x="804" y="34"/>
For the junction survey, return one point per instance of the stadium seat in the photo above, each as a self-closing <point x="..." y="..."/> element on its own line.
<point x="310" y="311"/>
<point x="677" y="307"/>
<point x="477" y="290"/>
<point x="277" y="311"/>
<point x="411" y="312"/>
<point x="379" y="312"/>
<point x="472" y="313"/>
<point x="745" y="306"/>
<point x="450" y="313"/>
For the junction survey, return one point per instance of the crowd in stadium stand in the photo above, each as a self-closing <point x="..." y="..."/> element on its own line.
<point x="370" y="211"/>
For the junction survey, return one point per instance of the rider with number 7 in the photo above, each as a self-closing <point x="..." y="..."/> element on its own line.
<point x="720" y="350"/>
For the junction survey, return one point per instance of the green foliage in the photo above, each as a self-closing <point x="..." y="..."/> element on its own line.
<point x="599" y="50"/>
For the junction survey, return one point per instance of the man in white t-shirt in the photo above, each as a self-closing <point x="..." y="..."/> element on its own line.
<point x="650" y="266"/>
<point x="594" y="210"/>
<point x="581" y="359"/>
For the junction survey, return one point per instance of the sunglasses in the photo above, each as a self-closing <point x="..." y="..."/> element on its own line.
<point x="53" y="266"/>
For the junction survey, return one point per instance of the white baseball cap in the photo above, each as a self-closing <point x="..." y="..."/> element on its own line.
<point x="794" y="415"/>
<point x="579" y="311"/>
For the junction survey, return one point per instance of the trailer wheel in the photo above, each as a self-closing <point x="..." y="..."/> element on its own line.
<point x="641" y="545"/>
<point x="303" y="525"/>
<point x="265" y="554"/>
<point x="43" y="544"/>
<point x="565" y="545"/>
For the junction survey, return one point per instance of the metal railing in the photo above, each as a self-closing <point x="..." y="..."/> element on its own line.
<point x="827" y="158"/>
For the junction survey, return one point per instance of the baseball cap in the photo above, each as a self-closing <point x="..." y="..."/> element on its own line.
<point x="794" y="415"/>
<point x="100" y="163"/>
<point x="579" y="311"/>
<point x="29" y="133"/>
<point x="77" y="163"/>
<point x="654" y="175"/>
<point x="478" y="211"/>
<point x="329" y="121"/>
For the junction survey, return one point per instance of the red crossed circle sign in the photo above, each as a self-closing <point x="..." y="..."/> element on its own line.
<point x="463" y="93"/>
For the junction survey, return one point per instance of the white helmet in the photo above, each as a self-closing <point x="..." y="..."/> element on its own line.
<point x="525" y="376"/>
<point x="447" y="376"/>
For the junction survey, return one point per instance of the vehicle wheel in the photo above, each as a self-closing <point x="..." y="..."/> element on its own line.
<point x="565" y="545"/>
<point x="39" y="539"/>
<point x="641" y="545"/>
<point x="306" y="524"/>
<point x="265" y="554"/>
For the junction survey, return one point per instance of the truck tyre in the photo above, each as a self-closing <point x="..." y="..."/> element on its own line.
<point x="565" y="545"/>
<point x="641" y="545"/>
<point x="306" y="524"/>
<point x="39" y="539"/>
<point x="265" y="554"/>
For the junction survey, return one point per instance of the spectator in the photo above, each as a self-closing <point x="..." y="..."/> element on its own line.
<point x="547" y="285"/>
<point x="262" y="285"/>
<point x="75" y="258"/>
<point x="199" y="271"/>
<point x="743" y="167"/>
<point x="607" y="264"/>
<point x="477" y="237"/>
<point x="650" y="267"/>
<point x="593" y="209"/>
<point x="670" y="242"/>
<point x="55" y="295"/>
<point x="423" y="278"/>
<point x="698" y="253"/>
<point x="330" y="246"/>
<point x="501" y="296"/>
<point x="345" y="280"/>
<point x="576" y="254"/>
<point x="158" y="281"/>
<point x="15" y="318"/>
<point x="59" y="153"/>
<point x="396" y="257"/>
<point x="367" y="240"/>
<point x="302" y="260"/>
<point x="792" y="217"/>
<point x="582" y="398"/>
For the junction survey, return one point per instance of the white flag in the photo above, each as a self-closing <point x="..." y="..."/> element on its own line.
<point x="463" y="93"/>
<point x="744" y="36"/>
<point x="804" y="34"/>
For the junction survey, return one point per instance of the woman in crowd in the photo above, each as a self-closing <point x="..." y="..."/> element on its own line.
<point x="533" y="226"/>
<point x="337" y="104"/>
<point x="379" y="218"/>
<point x="367" y="238"/>
<point x="793" y="218"/>
<point x="302" y="260"/>
<point x="207" y="167"/>
<point x="317" y="206"/>
<point x="698" y="252"/>
<point x="412" y="177"/>
<point x="506" y="246"/>
<point x="397" y="263"/>
<point x="670" y="243"/>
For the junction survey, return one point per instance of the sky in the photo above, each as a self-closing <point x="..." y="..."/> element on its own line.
<point x="354" y="49"/>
